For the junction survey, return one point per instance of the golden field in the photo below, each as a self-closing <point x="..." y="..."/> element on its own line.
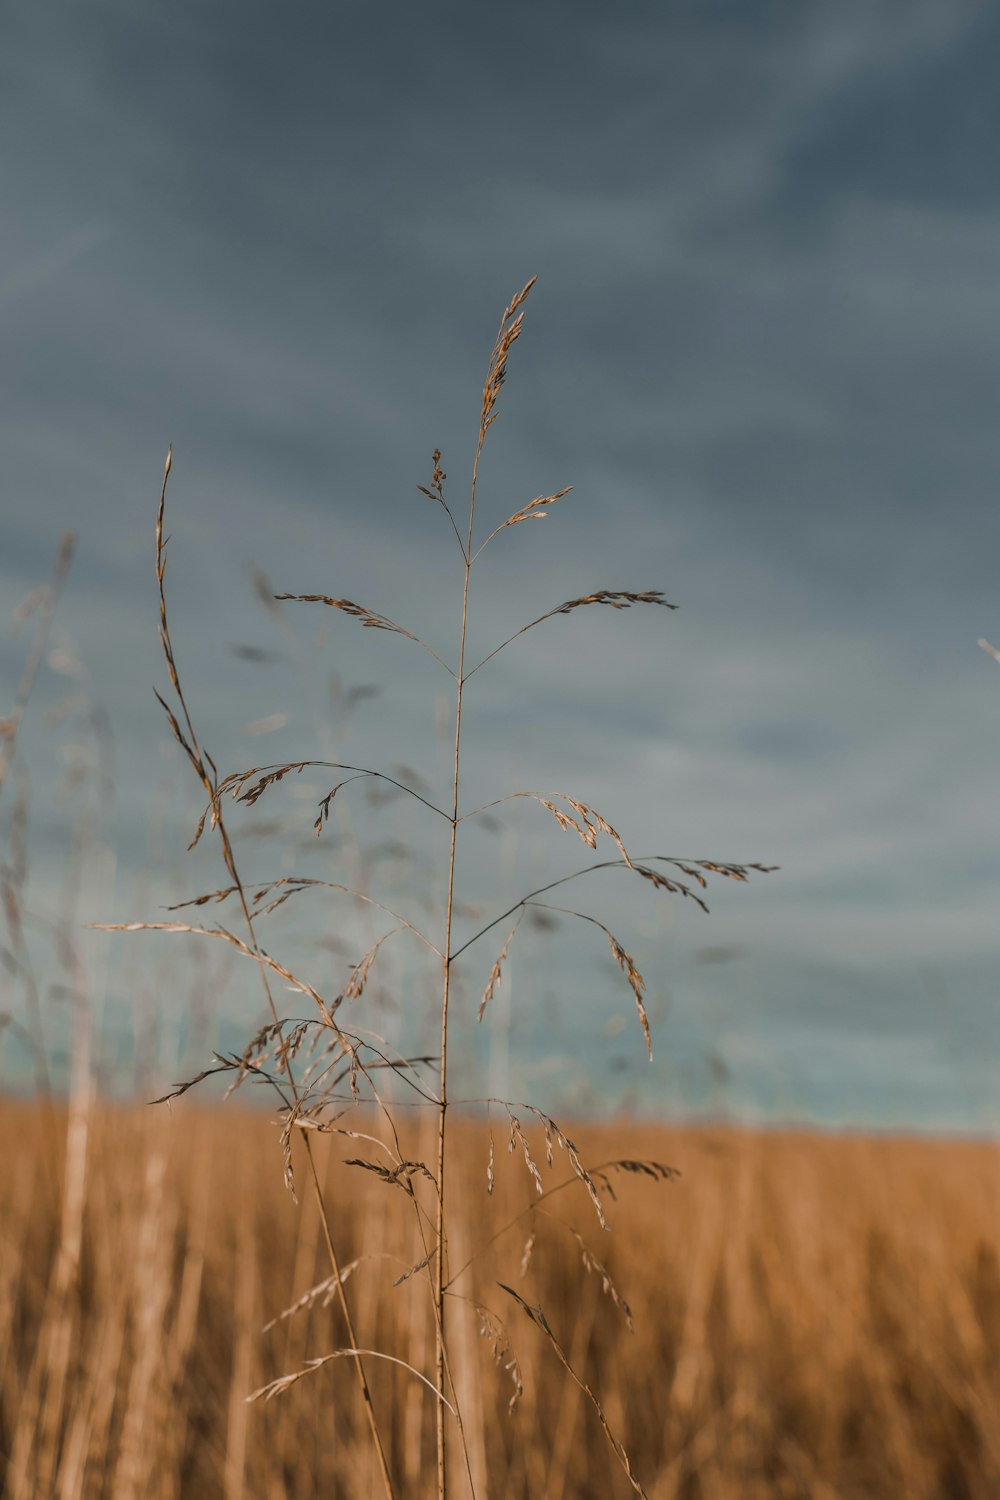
<point x="814" y="1316"/>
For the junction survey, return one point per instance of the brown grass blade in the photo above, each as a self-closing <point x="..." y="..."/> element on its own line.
<point x="537" y="1316"/>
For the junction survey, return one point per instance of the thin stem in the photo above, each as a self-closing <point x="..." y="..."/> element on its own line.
<point x="497" y="649"/>
<point x="604" y="864"/>
<point x="439" y="1281"/>
<point x="197" y="758"/>
<point x="440" y="1356"/>
<point x="458" y="534"/>
<point x="617" y="599"/>
<point x="317" y="1189"/>
<point x="231" y="783"/>
<point x="474" y="812"/>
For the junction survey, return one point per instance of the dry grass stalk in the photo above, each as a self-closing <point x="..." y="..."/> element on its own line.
<point x="205" y="769"/>
<point x="344" y="1066"/>
<point x="537" y="1316"/>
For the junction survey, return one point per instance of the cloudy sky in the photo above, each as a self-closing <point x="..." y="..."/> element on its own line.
<point x="763" y="348"/>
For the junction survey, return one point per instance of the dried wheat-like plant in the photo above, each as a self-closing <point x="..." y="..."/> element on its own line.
<point x="321" y="1070"/>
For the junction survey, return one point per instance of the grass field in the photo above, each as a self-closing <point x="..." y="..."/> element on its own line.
<point x="814" y="1316"/>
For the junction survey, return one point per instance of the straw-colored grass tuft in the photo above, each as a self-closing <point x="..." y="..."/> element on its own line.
<point x="813" y="1316"/>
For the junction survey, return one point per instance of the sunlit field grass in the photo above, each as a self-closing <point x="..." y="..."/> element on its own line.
<point x="813" y="1316"/>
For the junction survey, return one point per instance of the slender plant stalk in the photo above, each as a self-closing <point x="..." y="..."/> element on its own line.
<point x="440" y="1280"/>
<point x="495" y="375"/>
<point x="316" y="1187"/>
<point x="305" y="1099"/>
<point x="210" y="782"/>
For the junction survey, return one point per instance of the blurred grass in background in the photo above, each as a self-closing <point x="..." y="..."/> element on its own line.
<point x="814" y="1316"/>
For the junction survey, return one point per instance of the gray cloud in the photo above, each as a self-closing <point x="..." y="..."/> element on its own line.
<point x="760" y="349"/>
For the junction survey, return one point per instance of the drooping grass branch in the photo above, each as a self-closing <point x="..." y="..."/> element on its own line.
<point x="205" y="769"/>
<point x="641" y="867"/>
<point x="603" y="596"/>
<point x="369" y="619"/>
